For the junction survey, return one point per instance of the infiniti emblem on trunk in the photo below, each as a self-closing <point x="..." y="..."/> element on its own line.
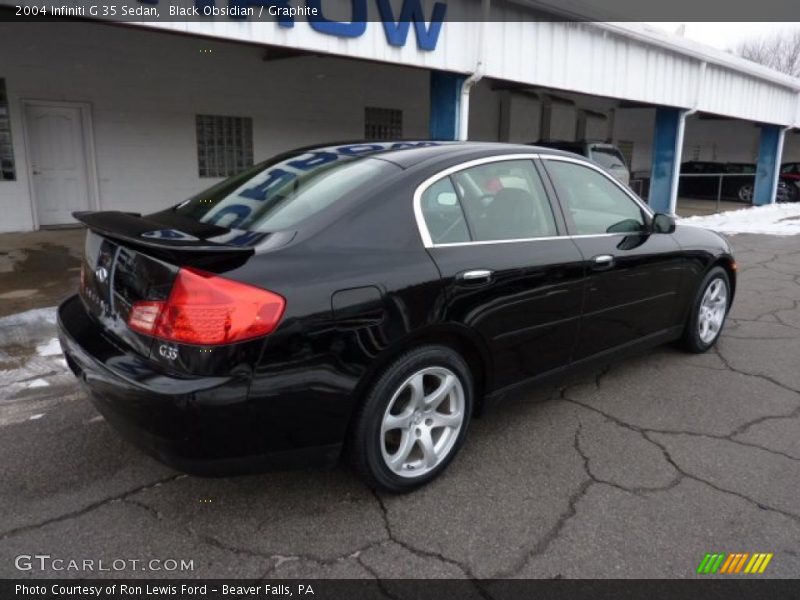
<point x="102" y="274"/>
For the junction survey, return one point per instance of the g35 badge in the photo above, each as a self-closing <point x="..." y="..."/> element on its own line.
<point x="168" y="352"/>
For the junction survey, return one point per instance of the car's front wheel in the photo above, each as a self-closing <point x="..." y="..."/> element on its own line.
<point x="708" y="313"/>
<point x="413" y="420"/>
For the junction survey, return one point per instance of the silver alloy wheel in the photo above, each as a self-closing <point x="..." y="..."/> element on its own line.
<point x="713" y="307"/>
<point x="746" y="193"/>
<point x="422" y="422"/>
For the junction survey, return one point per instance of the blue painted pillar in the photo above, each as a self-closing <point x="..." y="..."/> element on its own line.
<point x="445" y="101"/>
<point x="666" y="160"/>
<point x="770" y="148"/>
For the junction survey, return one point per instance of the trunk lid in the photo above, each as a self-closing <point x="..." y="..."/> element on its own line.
<point x="130" y="258"/>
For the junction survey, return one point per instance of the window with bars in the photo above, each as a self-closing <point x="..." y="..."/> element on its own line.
<point x="224" y="145"/>
<point x="7" y="169"/>
<point x="383" y="123"/>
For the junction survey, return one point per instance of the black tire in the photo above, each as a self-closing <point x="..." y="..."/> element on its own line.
<point x="366" y="441"/>
<point x="691" y="340"/>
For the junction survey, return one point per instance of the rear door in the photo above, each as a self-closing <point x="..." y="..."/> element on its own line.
<point x="509" y="271"/>
<point x="633" y="277"/>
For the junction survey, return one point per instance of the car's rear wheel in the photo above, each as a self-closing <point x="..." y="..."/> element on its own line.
<point x="414" y="419"/>
<point x="709" y="310"/>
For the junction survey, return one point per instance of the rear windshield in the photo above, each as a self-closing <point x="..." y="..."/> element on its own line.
<point x="280" y="193"/>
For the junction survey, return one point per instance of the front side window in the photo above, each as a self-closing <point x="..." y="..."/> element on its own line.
<point x="504" y="200"/>
<point x="595" y="203"/>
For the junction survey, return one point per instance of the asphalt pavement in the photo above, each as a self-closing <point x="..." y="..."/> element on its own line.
<point x="637" y="470"/>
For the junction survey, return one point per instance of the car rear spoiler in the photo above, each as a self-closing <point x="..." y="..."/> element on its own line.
<point x="133" y="229"/>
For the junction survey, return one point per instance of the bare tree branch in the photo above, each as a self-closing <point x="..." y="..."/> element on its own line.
<point x="780" y="51"/>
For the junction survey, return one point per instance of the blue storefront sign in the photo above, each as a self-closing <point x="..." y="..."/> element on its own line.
<point x="395" y="26"/>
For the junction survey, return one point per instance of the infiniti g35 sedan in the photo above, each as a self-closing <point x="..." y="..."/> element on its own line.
<point x="367" y="299"/>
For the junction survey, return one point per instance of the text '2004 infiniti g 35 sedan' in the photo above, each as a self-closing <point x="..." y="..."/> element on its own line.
<point x="369" y="297"/>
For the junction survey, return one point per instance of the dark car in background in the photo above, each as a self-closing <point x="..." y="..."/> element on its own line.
<point x="790" y="176"/>
<point x="728" y="181"/>
<point x="369" y="298"/>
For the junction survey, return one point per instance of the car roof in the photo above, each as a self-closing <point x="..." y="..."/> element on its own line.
<point x="409" y="153"/>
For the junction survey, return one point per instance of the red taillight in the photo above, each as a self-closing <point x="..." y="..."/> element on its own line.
<point x="144" y="315"/>
<point x="205" y="309"/>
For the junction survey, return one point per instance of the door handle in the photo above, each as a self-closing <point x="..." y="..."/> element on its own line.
<point x="476" y="276"/>
<point x="602" y="262"/>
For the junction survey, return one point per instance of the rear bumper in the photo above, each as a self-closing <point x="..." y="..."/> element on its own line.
<point x="204" y="425"/>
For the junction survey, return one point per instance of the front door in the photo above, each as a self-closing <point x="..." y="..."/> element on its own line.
<point x="632" y="276"/>
<point x="58" y="162"/>
<point x="509" y="273"/>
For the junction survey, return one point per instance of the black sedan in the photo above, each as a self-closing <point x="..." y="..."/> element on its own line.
<point x="369" y="298"/>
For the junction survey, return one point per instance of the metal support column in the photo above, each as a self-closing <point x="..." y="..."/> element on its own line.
<point x="667" y="146"/>
<point x="445" y="91"/>
<point x="770" y="148"/>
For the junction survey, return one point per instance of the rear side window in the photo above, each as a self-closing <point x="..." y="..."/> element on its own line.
<point x="443" y="214"/>
<point x="505" y="200"/>
<point x="595" y="203"/>
<point x="281" y="193"/>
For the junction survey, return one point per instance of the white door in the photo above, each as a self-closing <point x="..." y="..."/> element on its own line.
<point x="58" y="162"/>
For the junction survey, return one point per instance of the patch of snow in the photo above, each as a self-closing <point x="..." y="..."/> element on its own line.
<point x="771" y="219"/>
<point x="35" y="417"/>
<point x="49" y="348"/>
<point x="36" y="383"/>
<point x="35" y="315"/>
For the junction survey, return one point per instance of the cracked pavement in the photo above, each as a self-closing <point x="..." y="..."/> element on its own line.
<point x="636" y="470"/>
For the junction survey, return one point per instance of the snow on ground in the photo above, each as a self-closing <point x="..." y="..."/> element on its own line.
<point x="33" y="373"/>
<point x="50" y="348"/>
<point x="36" y="383"/>
<point x="35" y="315"/>
<point x="772" y="219"/>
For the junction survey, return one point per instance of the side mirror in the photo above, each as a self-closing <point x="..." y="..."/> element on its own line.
<point x="662" y="223"/>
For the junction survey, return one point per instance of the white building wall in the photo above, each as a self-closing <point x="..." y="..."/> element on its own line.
<point x="615" y="60"/>
<point x="523" y="123"/>
<point x="720" y="140"/>
<point x="791" y="147"/>
<point x="145" y="89"/>
<point x="484" y="113"/>
<point x="636" y="125"/>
